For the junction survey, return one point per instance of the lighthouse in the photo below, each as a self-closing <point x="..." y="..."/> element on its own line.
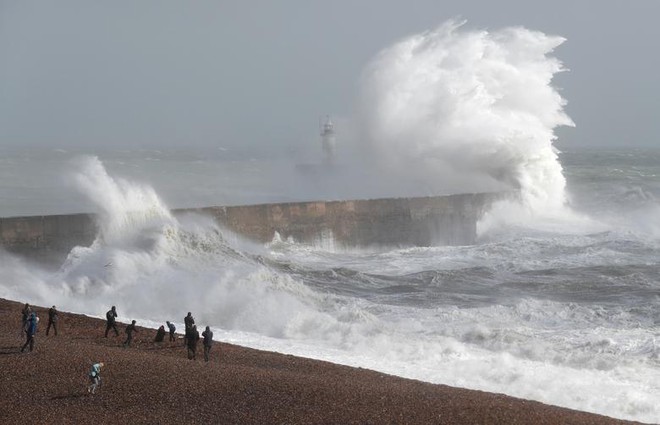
<point x="328" y="140"/>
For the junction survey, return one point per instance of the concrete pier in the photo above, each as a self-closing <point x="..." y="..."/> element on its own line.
<point x="438" y="220"/>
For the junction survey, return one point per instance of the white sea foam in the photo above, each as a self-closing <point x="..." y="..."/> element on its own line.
<point x="452" y="105"/>
<point x="120" y="204"/>
<point x="156" y="267"/>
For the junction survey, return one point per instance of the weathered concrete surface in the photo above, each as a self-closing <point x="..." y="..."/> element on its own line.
<point x="47" y="238"/>
<point x="440" y="220"/>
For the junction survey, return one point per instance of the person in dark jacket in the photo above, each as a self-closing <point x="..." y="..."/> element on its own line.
<point x="160" y="334"/>
<point x="189" y="322"/>
<point x="25" y="316"/>
<point x="52" y="320"/>
<point x="172" y="329"/>
<point x="129" y="334"/>
<point x="208" y="341"/>
<point x="192" y="339"/>
<point x="111" y="319"/>
<point x="30" y="332"/>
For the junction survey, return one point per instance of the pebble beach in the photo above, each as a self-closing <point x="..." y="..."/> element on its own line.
<point x="156" y="384"/>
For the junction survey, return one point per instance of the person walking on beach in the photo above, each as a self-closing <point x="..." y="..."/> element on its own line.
<point x="25" y="316"/>
<point x="52" y="320"/>
<point x="192" y="339"/>
<point x="129" y="334"/>
<point x="30" y="332"/>
<point x="172" y="329"/>
<point x="111" y="318"/>
<point x="189" y="322"/>
<point x="208" y="341"/>
<point x="95" y="377"/>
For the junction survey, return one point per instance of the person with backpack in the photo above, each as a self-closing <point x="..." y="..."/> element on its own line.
<point x="95" y="377"/>
<point x="52" y="320"/>
<point x="172" y="329"/>
<point x="110" y="318"/>
<point x="208" y="341"/>
<point x="129" y="334"/>
<point x="30" y="332"/>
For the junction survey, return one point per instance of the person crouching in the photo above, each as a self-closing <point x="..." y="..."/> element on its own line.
<point x="95" y="377"/>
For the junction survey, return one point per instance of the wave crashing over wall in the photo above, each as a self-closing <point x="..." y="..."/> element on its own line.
<point x="453" y="105"/>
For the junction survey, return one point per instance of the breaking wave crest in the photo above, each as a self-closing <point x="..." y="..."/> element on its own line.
<point x="453" y="105"/>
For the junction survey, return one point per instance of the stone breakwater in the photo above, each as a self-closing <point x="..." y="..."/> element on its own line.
<point x="437" y="220"/>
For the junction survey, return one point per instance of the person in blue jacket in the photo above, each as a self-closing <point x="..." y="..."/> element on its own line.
<point x="30" y="331"/>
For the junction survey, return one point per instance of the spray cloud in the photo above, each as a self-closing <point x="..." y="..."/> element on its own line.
<point x="452" y="106"/>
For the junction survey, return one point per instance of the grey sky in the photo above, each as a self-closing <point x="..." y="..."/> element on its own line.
<point x="258" y="74"/>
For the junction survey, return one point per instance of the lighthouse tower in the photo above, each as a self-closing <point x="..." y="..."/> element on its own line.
<point x="328" y="140"/>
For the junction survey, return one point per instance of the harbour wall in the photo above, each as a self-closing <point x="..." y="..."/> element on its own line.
<point x="424" y="221"/>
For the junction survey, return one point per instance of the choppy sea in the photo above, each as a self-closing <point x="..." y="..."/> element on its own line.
<point x="565" y="311"/>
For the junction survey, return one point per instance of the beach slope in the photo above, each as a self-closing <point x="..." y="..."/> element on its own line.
<point x="149" y="384"/>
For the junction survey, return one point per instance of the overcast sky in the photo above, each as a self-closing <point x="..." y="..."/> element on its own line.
<point x="258" y="74"/>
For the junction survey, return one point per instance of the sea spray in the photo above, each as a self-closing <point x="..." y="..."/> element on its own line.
<point x="564" y="318"/>
<point x="512" y="317"/>
<point x="454" y="105"/>
<point x="119" y="204"/>
<point x="152" y="265"/>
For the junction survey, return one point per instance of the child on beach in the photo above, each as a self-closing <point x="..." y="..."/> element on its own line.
<point x="95" y="377"/>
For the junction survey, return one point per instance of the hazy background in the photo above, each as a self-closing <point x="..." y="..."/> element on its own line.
<point x="257" y="75"/>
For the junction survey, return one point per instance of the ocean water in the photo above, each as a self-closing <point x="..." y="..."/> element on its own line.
<point x="558" y="301"/>
<point x="564" y="312"/>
